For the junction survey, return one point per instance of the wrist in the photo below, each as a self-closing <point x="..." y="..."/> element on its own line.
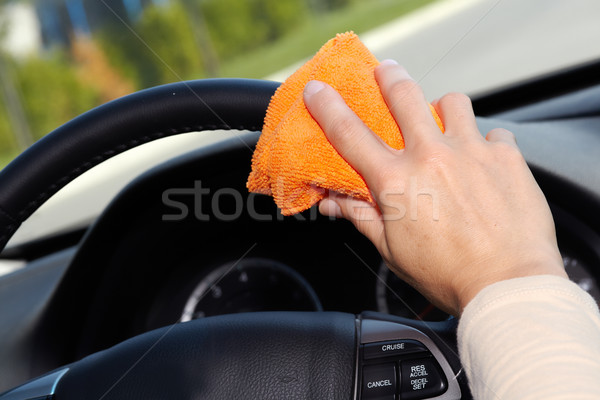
<point x="545" y="266"/>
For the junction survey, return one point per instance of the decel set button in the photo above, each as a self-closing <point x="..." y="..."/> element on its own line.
<point x="379" y="382"/>
<point x="420" y="379"/>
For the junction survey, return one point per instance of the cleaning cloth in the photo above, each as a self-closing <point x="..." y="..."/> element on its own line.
<point x="293" y="161"/>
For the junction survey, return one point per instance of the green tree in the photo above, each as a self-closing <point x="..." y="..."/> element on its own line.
<point x="11" y="113"/>
<point x="238" y="26"/>
<point x="232" y="26"/>
<point x="51" y="92"/>
<point x="8" y="144"/>
<point x="160" y="48"/>
<point x="188" y="39"/>
<point x="16" y="131"/>
<point x="168" y="33"/>
<point x="281" y="17"/>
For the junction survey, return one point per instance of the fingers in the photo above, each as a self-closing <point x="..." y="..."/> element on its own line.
<point x="406" y="101"/>
<point x="330" y="208"/>
<point x="346" y="132"/>
<point x="501" y="135"/>
<point x="456" y="112"/>
<point x="365" y="217"/>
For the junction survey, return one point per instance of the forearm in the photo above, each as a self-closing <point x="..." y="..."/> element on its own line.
<point x="531" y="338"/>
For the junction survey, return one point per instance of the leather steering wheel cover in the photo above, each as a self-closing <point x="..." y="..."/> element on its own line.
<point x="122" y="124"/>
<point x="270" y="355"/>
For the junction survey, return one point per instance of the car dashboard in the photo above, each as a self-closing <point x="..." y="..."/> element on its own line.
<point x="185" y="240"/>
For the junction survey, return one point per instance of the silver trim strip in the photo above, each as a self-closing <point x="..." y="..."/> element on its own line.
<point x="41" y="387"/>
<point x="380" y="331"/>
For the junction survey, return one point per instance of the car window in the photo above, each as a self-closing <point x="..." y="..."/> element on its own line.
<point x="59" y="58"/>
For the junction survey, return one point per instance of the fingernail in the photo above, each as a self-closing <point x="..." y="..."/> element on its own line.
<point x="389" y="61"/>
<point x="313" y="87"/>
<point x="405" y="73"/>
<point x="400" y="70"/>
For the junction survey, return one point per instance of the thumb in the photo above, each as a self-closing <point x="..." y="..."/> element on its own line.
<point x="364" y="216"/>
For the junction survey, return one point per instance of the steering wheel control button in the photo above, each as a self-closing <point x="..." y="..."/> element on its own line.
<point x="379" y="381"/>
<point x="392" y="348"/>
<point x="421" y="378"/>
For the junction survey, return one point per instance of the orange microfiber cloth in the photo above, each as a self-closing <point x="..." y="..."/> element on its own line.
<point x="293" y="161"/>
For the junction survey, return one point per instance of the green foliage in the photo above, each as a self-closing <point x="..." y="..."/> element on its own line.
<point x="161" y="49"/>
<point x="228" y="23"/>
<point x="328" y="5"/>
<point x="167" y="31"/>
<point x="131" y="59"/>
<point x="238" y="26"/>
<point x="281" y="17"/>
<point x="51" y="93"/>
<point x="359" y="16"/>
<point x="162" y="45"/>
<point x="8" y="143"/>
<point x="251" y="38"/>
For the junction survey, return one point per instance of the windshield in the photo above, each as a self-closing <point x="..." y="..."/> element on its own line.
<point x="59" y="58"/>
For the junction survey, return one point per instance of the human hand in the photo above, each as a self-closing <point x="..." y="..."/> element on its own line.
<point x="455" y="212"/>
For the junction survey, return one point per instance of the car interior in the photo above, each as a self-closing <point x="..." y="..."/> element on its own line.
<point x="187" y="286"/>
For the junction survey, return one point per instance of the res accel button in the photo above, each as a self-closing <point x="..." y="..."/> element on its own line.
<point x="379" y="381"/>
<point x="392" y="348"/>
<point x="421" y="379"/>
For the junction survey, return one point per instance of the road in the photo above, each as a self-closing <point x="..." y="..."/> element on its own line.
<point x="451" y="45"/>
<point x="476" y="45"/>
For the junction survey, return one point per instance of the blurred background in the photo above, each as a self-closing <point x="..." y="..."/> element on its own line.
<point x="59" y="58"/>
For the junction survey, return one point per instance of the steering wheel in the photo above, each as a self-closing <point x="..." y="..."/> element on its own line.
<point x="267" y="355"/>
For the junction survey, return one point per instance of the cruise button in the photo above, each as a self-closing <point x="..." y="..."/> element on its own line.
<point x="379" y="381"/>
<point x="392" y="348"/>
<point x="421" y="379"/>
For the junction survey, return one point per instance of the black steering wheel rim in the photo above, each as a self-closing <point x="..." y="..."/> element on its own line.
<point x="110" y="129"/>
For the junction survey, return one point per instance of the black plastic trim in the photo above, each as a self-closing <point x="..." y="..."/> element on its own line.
<point x="535" y="90"/>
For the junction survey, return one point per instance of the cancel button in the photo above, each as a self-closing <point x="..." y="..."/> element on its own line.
<point x="379" y="381"/>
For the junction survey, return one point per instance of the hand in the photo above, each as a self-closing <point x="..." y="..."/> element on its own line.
<point x="456" y="211"/>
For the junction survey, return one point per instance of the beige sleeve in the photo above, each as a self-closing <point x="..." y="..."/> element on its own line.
<point x="531" y="338"/>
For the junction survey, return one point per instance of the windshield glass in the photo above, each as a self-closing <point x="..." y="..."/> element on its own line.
<point x="59" y="58"/>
